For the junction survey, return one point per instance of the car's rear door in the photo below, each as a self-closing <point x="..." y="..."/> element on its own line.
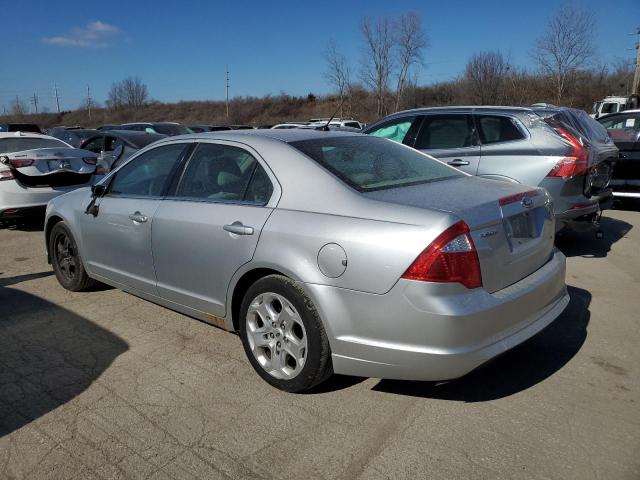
<point x="210" y="226"/>
<point x="117" y="240"/>
<point x="451" y="138"/>
<point x="506" y="151"/>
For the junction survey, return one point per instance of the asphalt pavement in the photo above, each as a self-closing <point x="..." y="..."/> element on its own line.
<point x="105" y="385"/>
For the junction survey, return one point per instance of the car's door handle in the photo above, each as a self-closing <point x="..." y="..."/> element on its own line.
<point x="238" y="228"/>
<point x="458" y="163"/>
<point x="138" y="217"/>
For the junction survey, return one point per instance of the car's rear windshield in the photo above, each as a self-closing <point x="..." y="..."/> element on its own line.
<point x="8" y="145"/>
<point x="171" y="129"/>
<point x="367" y="163"/>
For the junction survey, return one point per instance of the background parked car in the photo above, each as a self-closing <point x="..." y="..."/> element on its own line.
<point x="73" y="136"/>
<point x="20" y="127"/>
<point x="208" y="128"/>
<point x="624" y="129"/>
<point x="339" y="122"/>
<point x="163" y="128"/>
<point x="113" y="147"/>
<point x="560" y="149"/>
<point x="35" y="168"/>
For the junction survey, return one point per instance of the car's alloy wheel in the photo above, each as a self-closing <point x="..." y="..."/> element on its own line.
<point x="283" y="335"/>
<point x="276" y="335"/>
<point x="66" y="256"/>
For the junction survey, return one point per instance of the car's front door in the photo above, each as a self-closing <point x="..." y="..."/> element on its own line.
<point x="209" y="227"/>
<point x="451" y="138"/>
<point x="117" y="240"/>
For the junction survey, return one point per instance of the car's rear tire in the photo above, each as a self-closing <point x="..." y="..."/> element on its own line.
<point x="66" y="261"/>
<point x="283" y="336"/>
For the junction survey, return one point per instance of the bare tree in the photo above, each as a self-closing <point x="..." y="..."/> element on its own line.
<point x="410" y="41"/>
<point x="376" y="61"/>
<point x="18" y="107"/>
<point x="338" y="73"/>
<point x="485" y="75"/>
<point x="130" y="92"/>
<point x="566" y="46"/>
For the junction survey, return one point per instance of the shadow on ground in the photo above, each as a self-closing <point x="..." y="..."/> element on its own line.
<point x="48" y="356"/>
<point x="585" y="244"/>
<point x="516" y="370"/>
<point x="627" y="204"/>
<point x="29" y="224"/>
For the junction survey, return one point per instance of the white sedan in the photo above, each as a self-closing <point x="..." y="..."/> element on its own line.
<point x="35" y="168"/>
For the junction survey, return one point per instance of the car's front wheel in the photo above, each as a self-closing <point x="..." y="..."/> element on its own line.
<point x="66" y="261"/>
<point x="283" y="335"/>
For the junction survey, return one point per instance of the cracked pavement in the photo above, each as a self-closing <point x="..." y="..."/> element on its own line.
<point x="105" y="385"/>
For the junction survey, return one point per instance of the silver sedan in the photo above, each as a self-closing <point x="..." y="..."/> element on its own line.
<point x="327" y="251"/>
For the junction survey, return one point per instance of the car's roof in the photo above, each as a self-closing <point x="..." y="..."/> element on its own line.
<point x="623" y="112"/>
<point x="150" y="123"/>
<point x="282" y="135"/>
<point x="25" y="135"/>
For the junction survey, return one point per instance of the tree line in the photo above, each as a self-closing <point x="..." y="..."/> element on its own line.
<point x="564" y="60"/>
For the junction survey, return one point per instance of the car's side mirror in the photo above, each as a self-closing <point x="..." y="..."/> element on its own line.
<point x="98" y="190"/>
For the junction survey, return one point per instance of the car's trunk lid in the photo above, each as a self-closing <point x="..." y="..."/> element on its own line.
<point x="54" y="167"/>
<point x="512" y="225"/>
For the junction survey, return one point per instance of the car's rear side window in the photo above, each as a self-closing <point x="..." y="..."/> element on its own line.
<point x="369" y="163"/>
<point x="17" y="144"/>
<point x="498" y="128"/>
<point x="224" y="173"/>
<point x="441" y="132"/>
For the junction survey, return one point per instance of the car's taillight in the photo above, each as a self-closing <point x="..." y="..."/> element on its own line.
<point x="577" y="162"/>
<point x="90" y="160"/>
<point x="451" y="257"/>
<point x="5" y="174"/>
<point x="21" y="162"/>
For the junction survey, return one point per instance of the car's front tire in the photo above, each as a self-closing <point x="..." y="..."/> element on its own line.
<point x="66" y="261"/>
<point x="283" y="336"/>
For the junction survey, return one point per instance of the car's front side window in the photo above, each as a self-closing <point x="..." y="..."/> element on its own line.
<point x="147" y="174"/>
<point x="224" y="173"/>
<point x="395" y="130"/>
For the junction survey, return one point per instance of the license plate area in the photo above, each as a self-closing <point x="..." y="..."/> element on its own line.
<point x="59" y="164"/>
<point x="522" y="226"/>
<point x="524" y="229"/>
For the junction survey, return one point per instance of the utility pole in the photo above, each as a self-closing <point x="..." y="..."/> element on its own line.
<point x="635" y="90"/>
<point x="227" y="88"/>
<point x="34" y="100"/>
<point x="55" y="87"/>
<point x="89" y="101"/>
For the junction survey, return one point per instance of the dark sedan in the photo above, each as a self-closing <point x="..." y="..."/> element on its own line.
<point x="114" y="147"/>
<point x="624" y="130"/>
<point x="75" y="137"/>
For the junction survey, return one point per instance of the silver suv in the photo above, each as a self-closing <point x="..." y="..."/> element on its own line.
<point x="560" y="149"/>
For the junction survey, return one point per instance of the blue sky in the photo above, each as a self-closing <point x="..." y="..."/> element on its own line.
<point x="180" y="49"/>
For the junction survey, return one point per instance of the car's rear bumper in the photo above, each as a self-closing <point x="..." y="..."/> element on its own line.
<point x="585" y="212"/>
<point x="627" y="187"/>
<point x="428" y="331"/>
<point x="16" y="198"/>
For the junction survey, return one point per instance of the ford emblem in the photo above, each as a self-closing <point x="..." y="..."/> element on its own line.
<point x="527" y="202"/>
